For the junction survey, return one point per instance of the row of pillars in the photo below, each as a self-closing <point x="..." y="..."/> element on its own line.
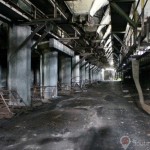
<point x="52" y="67"/>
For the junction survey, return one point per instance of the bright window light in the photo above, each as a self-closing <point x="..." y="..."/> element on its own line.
<point x="110" y="45"/>
<point x="108" y="41"/>
<point x="111" y="62"/>
<point x="97" y="5"/>
<point x="108" y="31"/>
<point x="105" y="21"/>
<point x="110" y="69"/>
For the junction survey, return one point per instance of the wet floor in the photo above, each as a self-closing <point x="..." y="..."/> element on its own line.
<point x="103" y="118"/>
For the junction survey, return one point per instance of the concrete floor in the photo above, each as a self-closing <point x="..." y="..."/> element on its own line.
<point x="95" y="120"/>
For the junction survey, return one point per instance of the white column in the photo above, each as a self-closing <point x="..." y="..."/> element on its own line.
<point x="19" y="61"/>
<point x="50" y="74"/>
<point x="76" y="69"/>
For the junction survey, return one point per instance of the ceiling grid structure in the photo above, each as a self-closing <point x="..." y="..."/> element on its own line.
<point x="98" y="27"/>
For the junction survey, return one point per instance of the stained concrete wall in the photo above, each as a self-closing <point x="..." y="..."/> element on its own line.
<point x="19" y="61"/>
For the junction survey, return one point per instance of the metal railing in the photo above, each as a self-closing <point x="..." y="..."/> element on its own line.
<point x="38" y="93"/>
<point x="9" y="101"/>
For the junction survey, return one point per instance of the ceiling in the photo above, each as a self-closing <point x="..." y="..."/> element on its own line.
<point x="79" y="7"/>
<point x="77" y="23"/>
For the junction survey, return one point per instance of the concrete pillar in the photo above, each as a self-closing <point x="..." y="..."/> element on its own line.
<point x="83" y="74"/>
<point x="102" y="74"/>
<point x="50" y="74"/>
<point x="76" y="69"/>
<point x="19" y="62"/>
<point x="41" y="70"/>
<point x="91" y="73"/>
<point x="87" y="69"/>
<point x="65" y="70"/>
<point x="41" y="74"/>
<point x="99" y="76"/>
<point x="94" y="75"/>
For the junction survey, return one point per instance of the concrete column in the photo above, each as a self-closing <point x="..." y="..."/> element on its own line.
<point x="91" y="73"/>
<point x="65" y="70"/>
<point x="41" y="70"/>
<point x="83" y="74"/>
<point x="19" y="62"/>
<point x="102" y="74"/>
<point x="76" y="69"/>
<point x="94" y="75"/>
<point x="50" y="74"/>
<point x="87" y="70"/>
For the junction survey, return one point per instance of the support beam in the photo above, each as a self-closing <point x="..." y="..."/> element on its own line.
<point x="49" y="28"/>
<point x="69" y="38"/>
<point x="119" y="40"/>
<point x="84" y="64"/>
<point x="122" y="13"/>
<point x="116" y="48"/>
<point x="40" y="21"/>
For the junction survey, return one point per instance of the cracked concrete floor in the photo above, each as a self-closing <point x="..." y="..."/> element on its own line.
<point x="95" y="120"/>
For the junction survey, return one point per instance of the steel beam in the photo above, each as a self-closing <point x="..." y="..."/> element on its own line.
<point x="69" y="38"/>
<point x="84" y="64"/>
<point x="92" y="67"/>
<point x="7" y="5"/>
<point x="40" y="21"/>
<point x="123" y="14"/>
<point x="119" y="40"/>
<point x="116" y="48"/>
<point x="42" y="37"/>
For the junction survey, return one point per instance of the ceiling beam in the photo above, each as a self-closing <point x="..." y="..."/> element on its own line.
<point x="123" y="14"/>
<point x="119" y="40"/>
<point x="40" y="21"/>
<point x="48" y="28"/>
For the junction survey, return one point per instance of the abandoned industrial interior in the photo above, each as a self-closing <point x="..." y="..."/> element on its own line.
<point x="74" y="74"/>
